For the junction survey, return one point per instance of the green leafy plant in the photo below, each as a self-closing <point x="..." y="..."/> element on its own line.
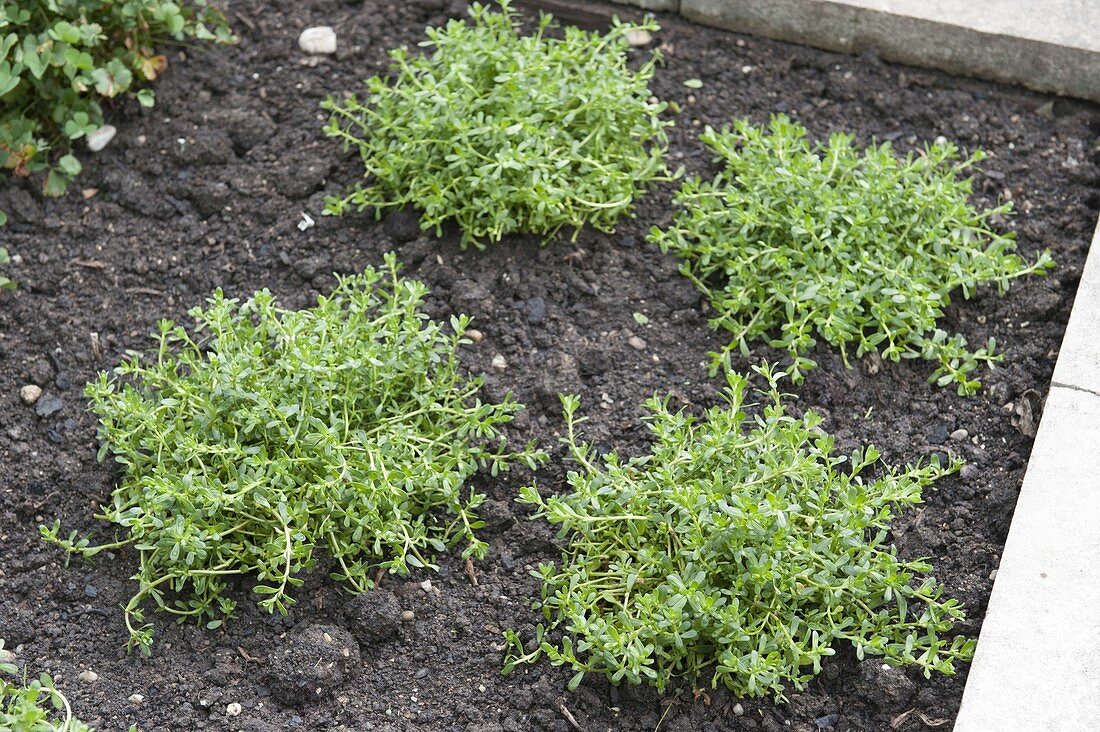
<point x="33" y="706"/>
<point x="271" y="434"/>
<point x="506" y="133"/>
<point x="792" y="242"/>
<point x="740" y="546"/>
<point x="5" y="283"/>
<point x="60" y="60"/>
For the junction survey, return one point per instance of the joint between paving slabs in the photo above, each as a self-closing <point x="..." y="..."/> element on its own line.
<point x="1071" y="387"/>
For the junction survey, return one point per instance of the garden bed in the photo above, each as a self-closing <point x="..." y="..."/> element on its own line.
<point x="207" y="190"/>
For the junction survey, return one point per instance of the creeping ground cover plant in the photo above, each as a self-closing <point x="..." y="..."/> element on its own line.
<point x="740" y="548"/>
<point x="266" y="435"/>
<point x="795" y="241"/>
<point x="502" y="132"/>
<point x="33" y="705"/>
<point x="62" y="60"/>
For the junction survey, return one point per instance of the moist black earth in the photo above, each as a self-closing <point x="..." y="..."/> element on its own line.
<point x="207" y="190"/>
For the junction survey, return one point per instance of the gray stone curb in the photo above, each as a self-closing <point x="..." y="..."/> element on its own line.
<point x="1048" y="45"/>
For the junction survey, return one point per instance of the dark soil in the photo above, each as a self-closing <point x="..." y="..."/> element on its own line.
<point x="206" y="191"/>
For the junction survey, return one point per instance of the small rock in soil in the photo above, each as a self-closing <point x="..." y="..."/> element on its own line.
<point x="88" y="677"/>
<point x="475" y="335"/>
<point x="318" y="40"/>
<point x="959" y="435"/>
<point x="969" y="472"/>
<point x="40" y="372"/>
<point x="827" y="722"/>
<point x="938" y="435"/>
<point x="233" y="709"/>
<point x="536" y="310"/>
<point x="374" y="616"/>
<point x="30" y="393"/>
<point x="637" y="37"/>
<point x="407" y="616"/>
<point x="637" y="343"/>
<point x="499" y="362"/>
<point x="47" y="405"/>
<point x="136" y="698"/>
<point x="312" y="664"/>
<point x="99" y="139"/>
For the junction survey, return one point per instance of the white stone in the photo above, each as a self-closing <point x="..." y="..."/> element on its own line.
<point x="318" y="40"/>
<point x="499" y="362"/>
<point x="233" y="709"/>
<point x="88" y="677"/>
<point x="136" y="698"/>
<point x="30" y="393"/>
<point x="99" y="139"/>
<point x="639" y="37"/>
<point x="636" y="343"/>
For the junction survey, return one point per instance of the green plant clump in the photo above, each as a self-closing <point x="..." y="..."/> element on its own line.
<point x="271" y="434"/>
<point x="794" y="242"/>
<point x="741" y="547"/>
<point x="505" y="133"/>
<point x="60" y="60"/>
<point x="36" y="706"/>
<point x="5" y="283"/>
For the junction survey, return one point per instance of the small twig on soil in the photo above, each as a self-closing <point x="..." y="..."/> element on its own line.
<point x="89" y="263"/>
<point x="144" y="291"/>
<point x="245" y="21"/>
<point x="569" y="717"/>
<point x="248" y="657"/>
<point x="471" y="572"/>
<point x="899" y="720"/>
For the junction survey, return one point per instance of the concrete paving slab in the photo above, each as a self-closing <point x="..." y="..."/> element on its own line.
<point x="1037" y="667"/>
<point x="1049" y="45"/>
<point x="1079" y="359"/>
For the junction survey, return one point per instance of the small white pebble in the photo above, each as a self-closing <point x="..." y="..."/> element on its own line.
<point x="136" y="698"/>
<point x="638" y="37"/>
<point x="317" y="40"/>
<point x="747" y="69"/>
<point x="941" y="140"/>
<point x="993" y="576"/>
<point x="30" y="393"/>
<point x="233" y="710"/>
<point x="98" y="139"/>
<point x="426" y="585"/>
<point x="327" y="637"/>
<point x="408" y="616"/>
<point x="89" y="677"/>
<point x="475" y="335"/>
<point x="738" y="709"/>
<point x="499" y="362"/>
<point x="959" y="435"/>
<point x="637" y="343"/>
<point x="307" y="222"/>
